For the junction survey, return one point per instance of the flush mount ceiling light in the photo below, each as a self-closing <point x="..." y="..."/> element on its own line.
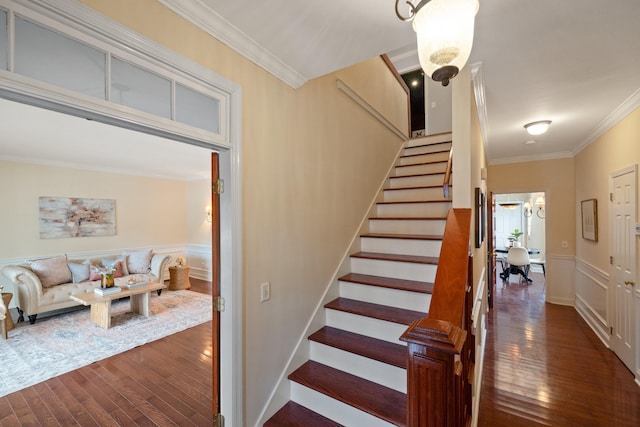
<point x="537" y="128"/>
<point x="445" y="35"/>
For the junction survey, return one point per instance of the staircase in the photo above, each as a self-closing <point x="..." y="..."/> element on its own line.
<point x="357" y="372"/>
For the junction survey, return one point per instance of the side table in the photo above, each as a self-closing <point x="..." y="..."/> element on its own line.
<point x="179" y="278"/>
<point x="6" y="299"/>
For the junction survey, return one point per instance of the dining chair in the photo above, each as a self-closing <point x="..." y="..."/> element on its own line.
<point x="518" y="261"/>
<point x="540" y="262"/>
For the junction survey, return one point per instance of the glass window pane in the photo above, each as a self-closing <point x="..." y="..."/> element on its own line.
<point x="53" y="58"/>
<point x="3" y="39"/>
<point x="196" y="109"/>
<point x="140" y="89"/>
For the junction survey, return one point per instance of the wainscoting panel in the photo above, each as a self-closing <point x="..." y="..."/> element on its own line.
<point x="592" y="298"/>
<point x="560" y="280"/>
<point x="199" y="260"/>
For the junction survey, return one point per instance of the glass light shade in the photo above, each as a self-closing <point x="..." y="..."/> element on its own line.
<point x="537" y="128"/>
<point x="445" y="34"/>
<point x="540" y="201"/>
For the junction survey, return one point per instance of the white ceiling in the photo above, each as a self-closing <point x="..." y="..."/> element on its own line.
<point x="575" y="62"/>
<point x="41" y="136"/>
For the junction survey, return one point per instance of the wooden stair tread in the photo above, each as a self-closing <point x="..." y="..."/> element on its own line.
<point x="410" y="218"/>
<point x="395" y="257"/>
<point x="429" y="144"/>
<point x="405" y="156"/>
<point x="362" y="345"/>
<point x="375" y="311"/>
<point x="404" y="236"/>
<point x="421" y="187"/>
<point x="295" y="415"/>
<point x="417" y="174"/>
<point x="423" y="164"/>
<point x="377" y="400"/>
<point x="389" y="282"/>
<point x="406" y="202"/>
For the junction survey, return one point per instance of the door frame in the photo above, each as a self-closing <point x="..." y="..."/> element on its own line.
<point x="86" y="20"/>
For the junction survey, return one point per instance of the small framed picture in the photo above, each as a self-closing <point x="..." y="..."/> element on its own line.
<point x="590" y="219"/>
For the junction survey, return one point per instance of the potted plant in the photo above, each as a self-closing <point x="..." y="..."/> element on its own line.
<point x="514" y="238"/>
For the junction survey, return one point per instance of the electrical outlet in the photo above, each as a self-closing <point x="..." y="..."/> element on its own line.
<point x="265" y="292"/>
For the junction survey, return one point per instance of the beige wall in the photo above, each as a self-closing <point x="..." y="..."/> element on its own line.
<point x="556" y="179"/>
<point x="312" y="161"/>
<point x="138" y="202"/>
<point x="615" y="150"/>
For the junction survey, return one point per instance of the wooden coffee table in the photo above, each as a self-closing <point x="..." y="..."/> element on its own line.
<point x="101" y="304"/>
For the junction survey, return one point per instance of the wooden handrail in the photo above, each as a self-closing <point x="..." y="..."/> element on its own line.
<point x="447" y="174"/>
<point x="439" y="350"/>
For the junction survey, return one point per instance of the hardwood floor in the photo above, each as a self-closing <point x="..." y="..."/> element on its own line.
<point x="545" y="367"/>
<point x="164" y="383"/>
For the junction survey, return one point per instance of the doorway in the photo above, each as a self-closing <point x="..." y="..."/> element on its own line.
<point x="519" y="220"/>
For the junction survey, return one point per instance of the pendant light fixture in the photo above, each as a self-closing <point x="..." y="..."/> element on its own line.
<point x="445" y="35"/>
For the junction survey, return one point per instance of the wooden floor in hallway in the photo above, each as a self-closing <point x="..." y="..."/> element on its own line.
<point x="545" y="367"/>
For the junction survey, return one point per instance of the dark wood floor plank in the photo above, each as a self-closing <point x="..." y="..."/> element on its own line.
<point x="544" y="366"/>
<point x="163" y="383"/>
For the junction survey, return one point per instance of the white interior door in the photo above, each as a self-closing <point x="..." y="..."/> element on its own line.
<point x="623" y="245"/>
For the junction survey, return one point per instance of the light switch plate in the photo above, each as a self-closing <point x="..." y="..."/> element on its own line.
<point x="265" y="292"/>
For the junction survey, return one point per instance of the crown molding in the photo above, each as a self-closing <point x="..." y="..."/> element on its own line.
<point x="523" y="159"/>
<point x="205" y="18"/>
<point x="626" y="108"/>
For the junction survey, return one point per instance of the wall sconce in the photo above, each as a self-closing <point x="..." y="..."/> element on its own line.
<point x="209" y="216"/>
<point x="445" y="35"/>
<point x="540" y="203"/>
<point x="527" y="210"/>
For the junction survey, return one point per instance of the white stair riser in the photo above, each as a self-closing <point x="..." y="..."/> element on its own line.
<point x="414" y="194"/>
<point x="417" y="181"/>
<point x="375" y="328"/>
<point x="407" y="226"/>
<point x="432" y="139"/>
<point x="401" y="246"/>
<point x="363" y="367"/>
<point x="333" y="409"/>
<point x="412" y="210"/>
<point x="385" y="296"/>
<point x="420" y="169"/>
<point x="423" y="158"/>
<point x="394" y="269"/>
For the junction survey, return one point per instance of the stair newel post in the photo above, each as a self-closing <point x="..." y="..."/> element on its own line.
<point x="435" y="384"/>
<point x="437" y="388"/>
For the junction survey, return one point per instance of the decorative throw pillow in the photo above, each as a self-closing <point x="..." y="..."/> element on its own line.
<point x="79" y="272"/>
<point x="51" y="271"/>
<point x="121" y="259"/>
<point x="139" y="262"/>
<point x="93" y="274"/>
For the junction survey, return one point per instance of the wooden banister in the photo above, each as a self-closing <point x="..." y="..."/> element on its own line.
<point x="438" y="369"/>
<point x="447" y="174"/>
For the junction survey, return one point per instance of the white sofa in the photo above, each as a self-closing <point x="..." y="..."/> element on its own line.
<point x="44" y="285"/>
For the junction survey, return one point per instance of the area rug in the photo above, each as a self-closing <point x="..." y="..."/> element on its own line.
<point x="61" y="343"/>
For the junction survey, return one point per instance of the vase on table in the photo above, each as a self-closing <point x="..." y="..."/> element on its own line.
<point x="107" y="281"/>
